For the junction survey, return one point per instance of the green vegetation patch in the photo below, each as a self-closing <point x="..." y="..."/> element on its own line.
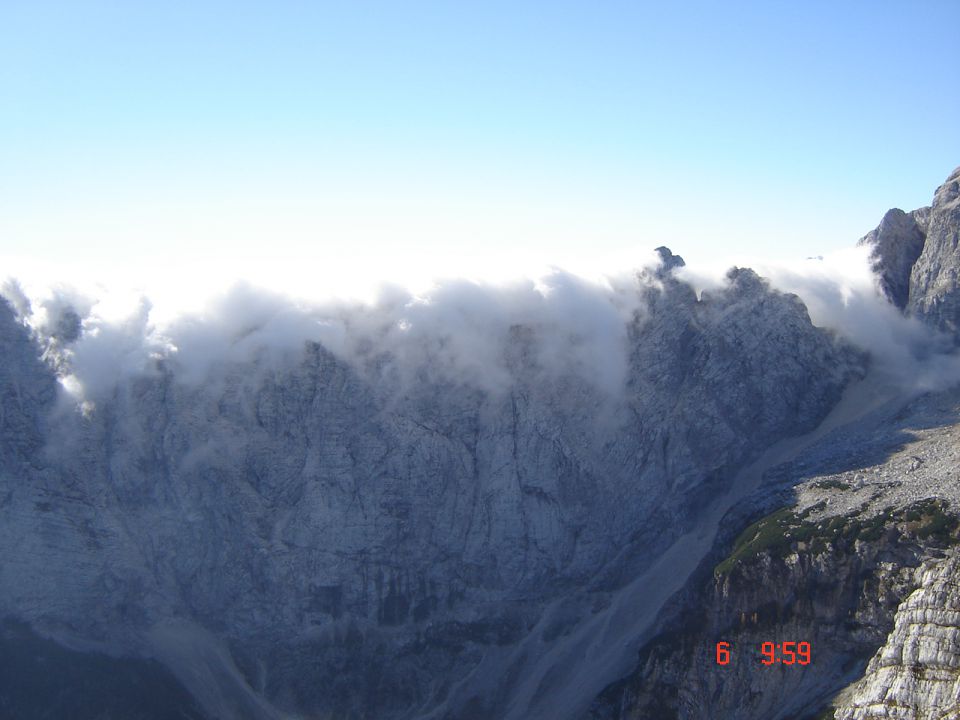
<point x="934" y="521"/>
<point x="772" y="533"/>
<point x="784" y="530"/>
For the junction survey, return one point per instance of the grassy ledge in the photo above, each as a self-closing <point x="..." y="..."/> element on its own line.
<point x="785" y="531"/>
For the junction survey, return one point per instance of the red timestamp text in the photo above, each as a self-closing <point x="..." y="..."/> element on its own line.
<point x="771" y="653"/>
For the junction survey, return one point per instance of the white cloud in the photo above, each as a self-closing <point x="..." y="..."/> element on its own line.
<point x="840" y="292"/>
<point x="458" y="329"/>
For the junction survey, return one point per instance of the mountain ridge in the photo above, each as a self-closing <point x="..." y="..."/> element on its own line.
<point x="384" y="535"/>
<point x="858" y="557"/>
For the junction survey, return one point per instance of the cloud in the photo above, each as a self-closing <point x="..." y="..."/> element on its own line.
<point x="841" y="293"/>
<point x="460" y="331"/>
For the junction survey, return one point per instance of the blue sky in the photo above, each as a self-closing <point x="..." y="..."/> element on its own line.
<point x="402" y="139"/>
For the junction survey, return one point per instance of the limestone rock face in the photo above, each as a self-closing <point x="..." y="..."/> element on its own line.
<point x="934" y="281"/>
<point x="916" y="674"/>
<point x="916" y="257"/>
<point x="832" y="571"/>
<point x="838" y="603"/>
<point x="897" y="243"/>
<point x="371" y="535"/>
<point x="324" y="540"/>
<point x="27" y="392"/>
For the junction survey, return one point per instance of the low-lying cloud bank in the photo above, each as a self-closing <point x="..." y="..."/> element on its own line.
<point x="841" y="293"/>
<point x="459" y="330"/>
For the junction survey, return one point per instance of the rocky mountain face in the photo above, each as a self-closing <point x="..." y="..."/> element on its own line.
<point x="317" y="538"/>
<point x="859" y="558"/>
<point x="916" y="674"/>
<point x="367" y="535"/>
<point x="897" y="243"/>
<point x="834" y="567"/>
<point x="917" y="255"/>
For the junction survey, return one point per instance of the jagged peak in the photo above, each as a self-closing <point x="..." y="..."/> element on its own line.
<point x="914" y="257"/>
<point x="668" y="259"/>
<point x="948" y="195"/>
<point x="746" y="281"/>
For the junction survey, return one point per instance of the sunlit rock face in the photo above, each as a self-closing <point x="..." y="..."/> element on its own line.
<point x="934" y="281"/>
<point x="349" y="537"/>
<point x="897" y="243"/>
<point x="916" y="674"/>
<point x="917" y="255"/>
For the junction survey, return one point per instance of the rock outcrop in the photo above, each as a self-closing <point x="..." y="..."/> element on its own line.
<point x="897" y="243"/>
<point x="934" y="281"/>
<point x="916" y="257"/>
<point x="916" y="674"/>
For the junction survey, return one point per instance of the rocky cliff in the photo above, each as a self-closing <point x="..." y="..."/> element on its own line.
<point x="860" y="559"/>
<point x="917" y="255"/>
<point x="359" y="537"/>
<point x="916" y="674"/>
<point x="845" y="566"/>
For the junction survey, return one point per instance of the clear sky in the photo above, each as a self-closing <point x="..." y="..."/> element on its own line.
<point x="334" y="141"/>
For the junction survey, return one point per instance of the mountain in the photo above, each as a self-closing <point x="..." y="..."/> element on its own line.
<point x="916" y="256"/>
<point x="866" y="523"/>
<point x="854" y="549"/>
<point x="529" y="520"/>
